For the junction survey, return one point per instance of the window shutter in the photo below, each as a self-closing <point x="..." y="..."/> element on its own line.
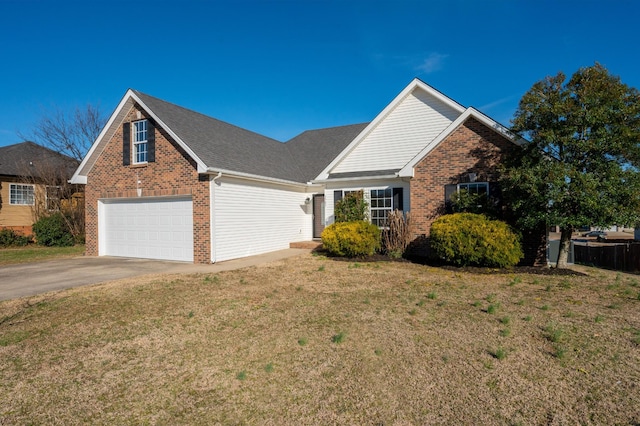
<point x="151" y="142"/>
<point x="337" y="196"/>
<point x="494" y="191"/>
<point x="126" y="144"/>
<point x="449" y="190"/>
<point x="398" y="202"/>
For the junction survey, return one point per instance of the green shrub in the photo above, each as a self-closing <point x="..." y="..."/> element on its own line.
<point x="464" y="201"/>
<point x="53" y="231"/>
<point x="351" y="239"/>
<point x="9" y="238"/>
<point x="353" y="207"/>
<point x="472" y="239"/>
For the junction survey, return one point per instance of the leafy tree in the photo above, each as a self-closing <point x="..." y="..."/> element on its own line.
<point x="464" y="201"/>
<point x="580" y="164"/>
<point x="353" y="207"/>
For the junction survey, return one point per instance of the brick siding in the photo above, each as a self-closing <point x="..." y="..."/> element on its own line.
<point x="471" y="148"/>
<point x="173" y="173"/>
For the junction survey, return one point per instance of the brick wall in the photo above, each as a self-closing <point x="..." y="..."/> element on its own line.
<point x="471" y="148"/>
<point x="173" y="173"/>
<point x="20" y="230"/>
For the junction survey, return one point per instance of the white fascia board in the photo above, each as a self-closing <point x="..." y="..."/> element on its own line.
<point x="82" y="179"/>
<point x="407" y="170"/>
<point x="359" y="178"/>
<point x="497" y="127"/>
<point x="202" y="168"/>
<point x="249" y="176"/>
<point x="415" y="84"/>
<point x="127" y="99"/>
<point x="438" y="95"/>
<point x="79" y="180"/>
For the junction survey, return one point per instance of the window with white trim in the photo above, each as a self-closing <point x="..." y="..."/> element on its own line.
<point x="380" y="205"/>
<point x="140" y="141"/>
<point x="381" y="202"/>
<point x="21" y="195"/>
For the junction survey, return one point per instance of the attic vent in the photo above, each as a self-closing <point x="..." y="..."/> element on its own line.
<point x="138" y="115"/>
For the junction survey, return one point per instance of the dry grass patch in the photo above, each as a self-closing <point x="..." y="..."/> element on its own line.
<point x="314" y="341"/>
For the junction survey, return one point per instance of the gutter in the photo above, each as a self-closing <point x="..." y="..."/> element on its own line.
<point x="249" y="176"/>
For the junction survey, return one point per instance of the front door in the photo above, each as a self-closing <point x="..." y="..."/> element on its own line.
<point x="318" y="215"/>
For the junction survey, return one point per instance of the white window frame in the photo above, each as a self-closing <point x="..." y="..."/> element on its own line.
<point x="21" y="194"/>
<point x="140" y="142"/>
<point x="469" y="185"/>
<point x="381" y="212"/>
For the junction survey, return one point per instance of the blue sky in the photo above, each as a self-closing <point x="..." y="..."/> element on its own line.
<point x="281" y="67"/>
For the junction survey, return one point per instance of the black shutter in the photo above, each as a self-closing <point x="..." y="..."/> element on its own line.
<point x="398" y="202"/>
<point x="151" y="142"/>
<point x="449" y="190"/>
<point x="494" y="192"/>
<point x="495" y="197"/>
<point x="337" y="196"/>
<point x="126" y="144"/>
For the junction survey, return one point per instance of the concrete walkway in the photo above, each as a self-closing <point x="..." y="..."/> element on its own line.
<point x="34" y="278"/>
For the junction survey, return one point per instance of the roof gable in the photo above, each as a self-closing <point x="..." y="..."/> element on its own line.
<point x="414" y="118"/>
<point x="213" y="144"/>
<point x="407" y="170"/>
<point x="407" y="129"/>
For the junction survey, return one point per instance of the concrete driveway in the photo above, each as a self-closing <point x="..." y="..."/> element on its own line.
<point x="35" y="278"/>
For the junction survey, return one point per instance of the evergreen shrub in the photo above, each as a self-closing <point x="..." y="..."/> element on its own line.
<point x="10" y="238"/>
<point x="53" y="230"/>
<point x="468" y="239"/>
<point x="351" y="239"/>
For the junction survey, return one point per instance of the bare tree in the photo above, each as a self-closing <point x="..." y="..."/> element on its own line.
<point x="53" y="193"/>
<point x="68" y="132"/>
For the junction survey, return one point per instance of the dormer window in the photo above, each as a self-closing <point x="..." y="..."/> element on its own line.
<point x="140" y="142"/>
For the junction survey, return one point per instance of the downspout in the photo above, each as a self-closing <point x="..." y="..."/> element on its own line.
<point x="212" y="221"/>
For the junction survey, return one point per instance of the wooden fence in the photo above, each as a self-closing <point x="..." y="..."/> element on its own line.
<point x="620" y="257"/>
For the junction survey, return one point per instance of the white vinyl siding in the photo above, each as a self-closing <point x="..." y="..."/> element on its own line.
<point x="401" y="135"/>
<point x="146" y="228"/>
<point x="252" y="218"/>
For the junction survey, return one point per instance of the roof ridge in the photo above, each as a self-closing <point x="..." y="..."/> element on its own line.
<point x="209" y="117"/>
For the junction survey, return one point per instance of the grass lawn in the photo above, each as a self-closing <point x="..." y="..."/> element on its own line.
<point x="310" y="340"/>
<point x="35" y="253"/>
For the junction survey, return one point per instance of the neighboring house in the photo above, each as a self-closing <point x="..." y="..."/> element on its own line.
<point x="29" y="177"/>
<point x="164" y="182"/>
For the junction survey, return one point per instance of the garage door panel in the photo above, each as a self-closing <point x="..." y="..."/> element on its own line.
<point x="151" y="229"/>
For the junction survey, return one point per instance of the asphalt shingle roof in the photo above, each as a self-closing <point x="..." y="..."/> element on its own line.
<point x="29" y="158"/>
<point x="222" y="145"/>
<point x="315" y="149"/>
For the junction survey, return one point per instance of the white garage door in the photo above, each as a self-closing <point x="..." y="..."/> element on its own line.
<point x="150" y="229"/>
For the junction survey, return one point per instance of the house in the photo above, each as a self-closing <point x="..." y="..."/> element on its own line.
<point x="165" y="182"/>
<point x="30" y="178"/>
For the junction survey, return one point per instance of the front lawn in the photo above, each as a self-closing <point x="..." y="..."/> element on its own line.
<point x="311" y="340"/>
<point x="36" y="253"/>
